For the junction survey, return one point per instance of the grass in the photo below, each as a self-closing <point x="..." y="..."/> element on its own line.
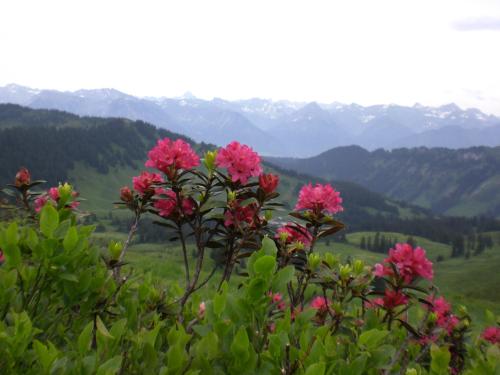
<point x="473" y="282"/>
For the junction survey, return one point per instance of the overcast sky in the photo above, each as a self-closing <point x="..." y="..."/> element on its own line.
<point x="368" y="52"/>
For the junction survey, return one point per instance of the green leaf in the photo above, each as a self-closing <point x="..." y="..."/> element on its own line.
<point x="110" y="367"/>
<point x="265" y="265"/>
<point x="11" y="234"/>
<point x="219" y="302"/>
<point x="85" y="339"/>
<point x="101" y="328"/>
<point x="46" y="355"/>
<point x="282" y="277"/>
<point x="316" y="369"/>
<point x="372" y="338"/>
<point x="440" y="358"/>
<point x="49" y="220"/>
<point x="269" y="246"/>
<point x="13" y="255"/>
<point x="240" y="345"/>
<point x="69" y="277"/>
<point x="71" y="239"/>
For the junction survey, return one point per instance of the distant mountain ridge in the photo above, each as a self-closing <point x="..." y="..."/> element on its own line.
<point x="450" y="181"/>
<point x="279" y="128"/>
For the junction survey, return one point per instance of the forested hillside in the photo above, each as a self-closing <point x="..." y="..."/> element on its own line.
<point x="455" y="182"/>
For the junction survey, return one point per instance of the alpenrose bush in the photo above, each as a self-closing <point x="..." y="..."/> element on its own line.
<point x="70" y="307"/>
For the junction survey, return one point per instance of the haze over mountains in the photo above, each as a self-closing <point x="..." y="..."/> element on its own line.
<point x="279" y="128"/>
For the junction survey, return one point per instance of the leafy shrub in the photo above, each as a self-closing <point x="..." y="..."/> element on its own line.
<point x="68" y="306"/>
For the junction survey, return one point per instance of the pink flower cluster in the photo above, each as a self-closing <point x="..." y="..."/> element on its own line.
<point x="442" y="309"/>
<point x="170" y="156"/>
<point x="390" y="300"/>
<point x="237" y="214"/>
<point x="53" y="197"/>
<point x="319" y="199"/>
<point x="2" y="257"/>
<point x="295" y="233"/>
<point x="492" y="334"/>
<point x="23" y="177"/>
<point x="143" y="183"/>
<point x="167" y="203"/>
<point x="410" y="263"/>
<point x="277" y="299"/>
<point x="241" y="162"/>
<point x="319" y="303"/>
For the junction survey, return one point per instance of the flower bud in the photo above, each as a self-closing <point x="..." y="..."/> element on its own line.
<point x="358" y="266"/>
<point x="209" y="160"/>
<point x="283" y="236"/>
<point x="65" y="191"/>
<point x="202" y="309"/>
<point x="115" y="249"/>
<point x="23" y="177"/>
<point x="345" y="271"/>
<point x="331" y="260"/>
<point x="268" y="215"/>
<point x="313" y="260"/>
<point x="231" y="196"/>
<point x="268" y="182"/>
<point x="126" y="194"/>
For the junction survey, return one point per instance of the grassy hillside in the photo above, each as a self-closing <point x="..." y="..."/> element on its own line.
<point x="470" y="282"/>
<point x="454" y="182"/>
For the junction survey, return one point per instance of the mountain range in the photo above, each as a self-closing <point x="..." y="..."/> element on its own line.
<point x="453" y="182"/>
<point x="278" y="128"/>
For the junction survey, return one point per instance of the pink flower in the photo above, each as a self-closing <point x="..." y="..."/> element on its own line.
<point x="23" y="177"/>
<point x="202" y="309"/>
<point x="168" y="205"/>
<point x="319" y="199"/>
<point x="40" y="202"/>
<point x="54" y="194"/>
<point x="410" y="263"/>
<point x="143" y="183"/>
<point x="492" y="334"/>
<point x="74" y="205"/>
<point x="2" y="257"/>
<point x="268" y="182"/>
<point x="319" y="303"/>
<point x="237" y="215"/>
<point x="240" y="160"/>
<point x="295" y="233"/>
<point x="442" y="309"/>
<point x="277" y="298"/>
<point x="393" y="299"/>
<point x="126" y="194"/>
<point x="389" y="301"/>
<point x="170" y="156"/>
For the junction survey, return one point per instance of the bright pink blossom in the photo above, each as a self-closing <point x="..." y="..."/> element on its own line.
<point x="444" y="316"/>
<point x="170" y="156"/>
<point x="143" y="183"/>
<point x="2" y="257"/>
<point x="23" y="177"/>
<point x="237" y="214"/>
<point x="40" y="202"/>
<point x="54" y="193"/>
<point x="410" y="263"/>
<point x="241" y="162"/>
<point x="167" y="203"/>
<point x="319" y="303"/>
<point x="319" y="199"/>
<point x="492" y="334"/>
<point x="295" y="233"/>
<point x="269" y="182"/>
<point x="389" y="301"/>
